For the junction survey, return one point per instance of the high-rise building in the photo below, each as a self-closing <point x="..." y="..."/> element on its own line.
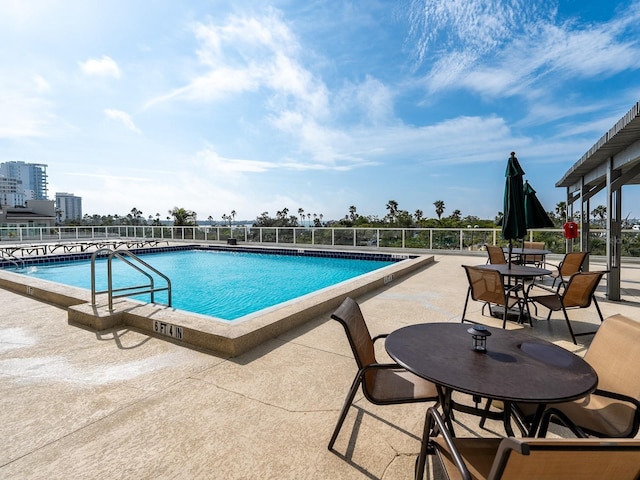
<point x="32" y="177"/>
<point x="68" y="207"/>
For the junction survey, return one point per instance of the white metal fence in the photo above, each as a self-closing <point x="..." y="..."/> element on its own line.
<point x="451" y="239"/>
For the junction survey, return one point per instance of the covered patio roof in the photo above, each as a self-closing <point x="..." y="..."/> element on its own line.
<point x="613" y="161"/>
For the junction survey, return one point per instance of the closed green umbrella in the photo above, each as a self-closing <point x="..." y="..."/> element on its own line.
<point x="514" y="224"/>
<point x="534" y="213"/>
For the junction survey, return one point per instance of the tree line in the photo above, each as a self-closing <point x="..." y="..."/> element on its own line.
<point x="395" y="217"/>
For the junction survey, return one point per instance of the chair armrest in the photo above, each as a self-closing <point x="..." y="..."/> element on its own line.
<point x="514" y="289"/>
<point x="378" y="337"/>
<point x="433" y="414"/>
<point x="542" y="286"/>
<point x="579" y="432"/>
<point x="383" y="365"/>
<point x="618" y="396"/>
<point x="562" y="419"/>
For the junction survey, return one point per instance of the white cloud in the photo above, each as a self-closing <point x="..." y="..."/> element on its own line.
<point x="471" y="26"/>
<point x="122" y="117"/>
<point x="218" y="164"/>
<point x="102" y="67"/>
<point x="248" y="54"/>
<point x="500" y="47"/>
<point x="41" y="85"/>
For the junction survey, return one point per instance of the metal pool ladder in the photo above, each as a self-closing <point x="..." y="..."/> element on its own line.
<point x="134" y="262"/>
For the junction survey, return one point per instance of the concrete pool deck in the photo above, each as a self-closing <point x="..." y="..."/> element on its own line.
<point x="122" y="404"/>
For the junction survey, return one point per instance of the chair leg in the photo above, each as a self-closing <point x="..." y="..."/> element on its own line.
<point x="483" y="418"/>
<point x="526" y="304"/>
<point x="345" y="408"/>
<point x="535" y="307"/>
<point x="421" y="461"/>
<point x="466" y="302"/>
<point x="544" y="424"/>
<point x="504" y="315"/>
<point x="566" y="317"/>
<point x="597" y="308"/>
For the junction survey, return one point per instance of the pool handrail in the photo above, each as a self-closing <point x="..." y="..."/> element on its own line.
<point x="128" y="291"/>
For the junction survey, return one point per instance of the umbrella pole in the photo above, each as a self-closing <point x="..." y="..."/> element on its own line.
<point x="510" y="249"/>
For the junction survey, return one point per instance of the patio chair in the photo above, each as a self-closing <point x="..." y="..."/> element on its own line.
<point x="613" y="409"/>
<point x="530" y="458"/>
<point x="578" y="293"/>
<point x="382" y="384"/>
<point x="496" y="255"/>
<point x="536" y="260"/>
<point x="488" y="286"/>
<point x="572" y="262"/>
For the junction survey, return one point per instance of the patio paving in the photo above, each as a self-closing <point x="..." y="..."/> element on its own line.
<point x="120" y="404"/>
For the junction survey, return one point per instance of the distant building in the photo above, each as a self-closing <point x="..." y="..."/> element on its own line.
<point x="30" y="177"/>
<point x="11" y="193"/>
<point x="36" y="214"/>
<point x="68" y="207"/>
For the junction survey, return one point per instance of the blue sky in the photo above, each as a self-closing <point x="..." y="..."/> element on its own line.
<point x="256" y="106"/>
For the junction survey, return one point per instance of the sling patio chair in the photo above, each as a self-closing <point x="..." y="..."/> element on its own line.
<point x="578" y="293"/>
<point x="529" y="458"/>
<point x="613" y="409"/>
<point x="496" y="255"/>
<point x="488" y="286"/>
<point x="535" y="260"/>
<point x="382" y="384"/>
<point x="573" y="262"/>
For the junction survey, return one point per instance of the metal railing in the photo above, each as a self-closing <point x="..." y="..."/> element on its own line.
<point x="129" y="290"/>
<point x="451" y="239"/>
<point x="8" y="256"/>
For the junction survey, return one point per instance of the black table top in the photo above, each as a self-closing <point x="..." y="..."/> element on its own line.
<point x="517" y="367"/>
<point x="516" y="270"/>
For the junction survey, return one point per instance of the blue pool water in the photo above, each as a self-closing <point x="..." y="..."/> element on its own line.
<point x="227" y="285"/>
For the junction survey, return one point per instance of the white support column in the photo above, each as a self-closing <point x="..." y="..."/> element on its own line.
<point x="585" y="244"/>
<point x="614" y="233"/>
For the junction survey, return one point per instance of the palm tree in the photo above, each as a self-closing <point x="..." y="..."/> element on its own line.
<point x="601" y="212"/>
<point x="210" y="218"/>
<point x="352" y="213"/>
<point x="135" y="215"/>
<point x="282" y="214"/>
<point x="439" y="204"/>
<point x="419" y="215"/>
<point x="301" y="213"/>
<point x="182" y="217"/>
<point x="561" y="210"/>
<point x="392" y="206"/>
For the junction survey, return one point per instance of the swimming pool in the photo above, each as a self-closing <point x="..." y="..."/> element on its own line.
<point x="222" y="284"/>
<point x="194" y="330"/>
